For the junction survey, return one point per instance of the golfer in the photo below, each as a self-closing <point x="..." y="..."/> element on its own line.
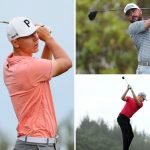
<point x="27" y="79"/>
<point x="140" y="33"/>
<point x="131" y="107"/>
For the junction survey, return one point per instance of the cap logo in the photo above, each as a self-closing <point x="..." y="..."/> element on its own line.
<point x="14" y="35"/>
<point x="27" y="22"/>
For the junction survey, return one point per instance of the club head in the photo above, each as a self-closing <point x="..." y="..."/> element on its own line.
<point x="92" y="15"/>
<point x="5" y="22"/>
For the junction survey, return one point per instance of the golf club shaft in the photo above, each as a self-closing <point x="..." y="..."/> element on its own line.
<point x="106" y="10"/>
<point x="6" y="22"/>
<point x="92" y="14"/>
<point x="126" y="81"/>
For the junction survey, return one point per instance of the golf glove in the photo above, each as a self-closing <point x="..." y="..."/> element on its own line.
<point x="48" y="28"/>
<point x="129" y="87"/>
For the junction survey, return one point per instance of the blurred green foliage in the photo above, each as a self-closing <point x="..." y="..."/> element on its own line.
<point x="96" y="135"/>
<point x="103" y="45"/>
<point x="4" y="142"/>
<point x="66" y="132"/>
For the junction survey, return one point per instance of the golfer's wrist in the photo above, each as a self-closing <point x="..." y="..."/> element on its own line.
<point x="49" y="39"/>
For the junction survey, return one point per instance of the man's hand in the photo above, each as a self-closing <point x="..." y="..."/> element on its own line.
<point x="129" y="87"/>
<point x="43" y="33"/>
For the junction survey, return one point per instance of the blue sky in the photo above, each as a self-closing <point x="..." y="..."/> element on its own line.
<point x="99" y="96"/>
<point x="59" y="16"/>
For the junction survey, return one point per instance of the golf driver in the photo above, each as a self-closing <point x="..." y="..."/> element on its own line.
<point x="126" y="82"/>
<point x="92" y="14"/>
<point x="6" y="22"/>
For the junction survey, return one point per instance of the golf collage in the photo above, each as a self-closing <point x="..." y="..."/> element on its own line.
<point x="112" y="75"/>
<point x="75" y="75"/>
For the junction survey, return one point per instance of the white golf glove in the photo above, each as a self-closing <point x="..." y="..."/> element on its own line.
<point x="48" y="28"/>
<point x="129" y="87"/>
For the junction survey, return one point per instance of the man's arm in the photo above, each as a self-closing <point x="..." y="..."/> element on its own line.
<point x="136" y="27"/>
<point x="135" y="98"/>
<point x="147" y="23"/>
<point x="61" y="62"/>
<point x="123" y="97"/>
<point x="46" y="54"/>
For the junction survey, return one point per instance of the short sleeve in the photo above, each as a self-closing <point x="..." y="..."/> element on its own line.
<point x="136" y="27"/>
<point x="127" y="98"/>
<point x="39" y="70"/>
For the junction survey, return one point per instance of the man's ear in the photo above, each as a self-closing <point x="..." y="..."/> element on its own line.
<point x="15" y="43"/>
<point x="140" y="11"/>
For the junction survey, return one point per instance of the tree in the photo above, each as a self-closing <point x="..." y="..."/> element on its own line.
<point x="66" y="131"/>
<point x="144" y="3"/>
<point x="103" y="45"/>
<point x="96" y="135"/>
<point x="4" y="143"/>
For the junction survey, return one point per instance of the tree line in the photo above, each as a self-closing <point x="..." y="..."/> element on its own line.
<point x="96" y="135"/>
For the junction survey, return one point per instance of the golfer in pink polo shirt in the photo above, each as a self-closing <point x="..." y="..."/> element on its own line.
<point x="27" y="80"/>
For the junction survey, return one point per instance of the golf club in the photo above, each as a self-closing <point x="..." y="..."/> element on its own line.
<point x="92" y="14"/>
<point x="125" y="80"/>
<point x="6" y="22"/>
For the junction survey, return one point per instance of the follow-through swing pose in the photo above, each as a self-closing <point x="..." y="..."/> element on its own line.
<point x="27" y="79"/>
<point x="131" y="107"/>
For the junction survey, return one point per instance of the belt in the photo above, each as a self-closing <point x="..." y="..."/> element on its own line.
<point x="144" y="63"/>
<point x="38" y="139"/>
<point x="123" y="116"/>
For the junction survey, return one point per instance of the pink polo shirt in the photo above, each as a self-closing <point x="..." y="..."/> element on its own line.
<point x="27" y="80"/>
<point x="130" y="107"/>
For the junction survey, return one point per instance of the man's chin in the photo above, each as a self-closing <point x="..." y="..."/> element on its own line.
<point x="135" y="19"/>
<point x="132" y="21"/>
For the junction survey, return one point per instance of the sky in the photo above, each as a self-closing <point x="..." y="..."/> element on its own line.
<point x="59" y="16"/>
<point x="99" y="96"/>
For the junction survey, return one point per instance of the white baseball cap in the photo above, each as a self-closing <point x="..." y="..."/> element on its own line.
<point x="130" y="6"/>
<point x="143" y="95"/>
<point x="20" y="27"/>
